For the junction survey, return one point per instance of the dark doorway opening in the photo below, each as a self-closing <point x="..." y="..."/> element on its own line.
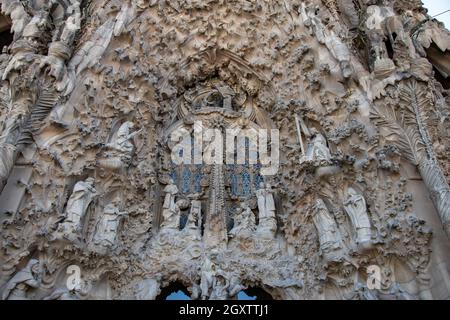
<point x="174" y="291"/>
<point x="6" y="38"/>
<point x="445" y="82"/>
<point x="389" y="49"/>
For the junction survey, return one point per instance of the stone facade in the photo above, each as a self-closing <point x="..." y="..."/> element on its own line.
<point x="96" y="96"/>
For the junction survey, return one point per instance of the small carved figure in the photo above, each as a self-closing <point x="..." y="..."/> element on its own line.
<point x="355" y="206"/>
<point x="121" y="148"/>
<point x="82" y="195"/>
<point x="318" y="151"/>
<point x="122" y="142"/>
<point x="65" y="294"/>
<point x="244" y="222"/>
<point x="267" y="226"/>
<point x="194" y="223"/>
<point x="220" y="287"/>
<point x="25" y="279"/>
<point x="108" y="226"/>
<point x="208" y="272"/>
<point x="172" y="210"/>
<point x="329" y="236"/>
<point x="147" y="289"/>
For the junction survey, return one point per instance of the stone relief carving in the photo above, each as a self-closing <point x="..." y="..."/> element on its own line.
<point x="95" y="88"/>
<point x="147" y="289"/>
<point x="120" y="149"/>
<point x="82" y="195"/>
<point x="194" y="221"/>
<point x="317" y="150"/>
<point x="25" y="279"/>
<point x="108" y="226"/>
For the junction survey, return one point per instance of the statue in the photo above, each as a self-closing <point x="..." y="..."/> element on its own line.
<point x="329" y="236"/>
<point x="79" y="201"/>
<point x="383" y="66"/>
<point x="330" y="39"/>
<point x="120" y="148"/>
<point x="361" y="292"/>
<point x="122" y="142"/>
<point x="208" y="272"/>
<point x="220" y="287"/>
<point x="171" y="209"/>
<point x="65" y="294"/>
<point x="244" y="222"/>
<point x="355" y="206"/>
<point x="108" y="226"/>
<point x="194" y="223"/>
<point x="318" y="150"/>
<point x="29" y="277"/>
<point x="398" y="293"/>
<point x="235" y="286"/>
<point x="267" y="226"/>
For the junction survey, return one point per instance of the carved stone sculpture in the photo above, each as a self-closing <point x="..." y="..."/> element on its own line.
<point x="120" y="149"/>
<point x="25" y="279"/>
<point x="356" y="208"/>
<point x="317" y="151"/>
<point x="111" y="89"/>
<point x="108" y="226"/>
<point x="66" y="294"/>
<point x="171" y="209"/>
<point x="244" y="222"/>
<point x="220" y="287"/>
<point x="329" y="235"/>
<point x="208" y="273"/>
<point x="194" y="222"/>
<point x="147" y="289"/>
<point x="267" y="225"/>
<point x="82" y="195"/>
<point x="329" y="38"/>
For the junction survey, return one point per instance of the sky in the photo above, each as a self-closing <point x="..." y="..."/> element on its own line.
<point x="437" y="6"/>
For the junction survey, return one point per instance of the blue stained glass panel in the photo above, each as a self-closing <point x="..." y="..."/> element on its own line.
<point x="186" y="181"/>
<point x="173" y="176"/>
<point x="246" y="188"/>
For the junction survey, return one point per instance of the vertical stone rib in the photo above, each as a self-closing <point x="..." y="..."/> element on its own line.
<point x="429" y="167"/>
<point x="437" y="185"/>
<point x="216" y="227"/>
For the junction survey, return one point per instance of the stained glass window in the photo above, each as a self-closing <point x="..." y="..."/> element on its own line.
<point x="186" y="181"/>
<point x="243" y="180"/>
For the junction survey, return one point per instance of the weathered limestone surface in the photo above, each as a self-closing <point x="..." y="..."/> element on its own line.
<point x="96" y="97"/>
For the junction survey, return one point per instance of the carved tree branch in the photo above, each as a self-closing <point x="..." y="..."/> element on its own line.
<point x="407" y="130"/>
